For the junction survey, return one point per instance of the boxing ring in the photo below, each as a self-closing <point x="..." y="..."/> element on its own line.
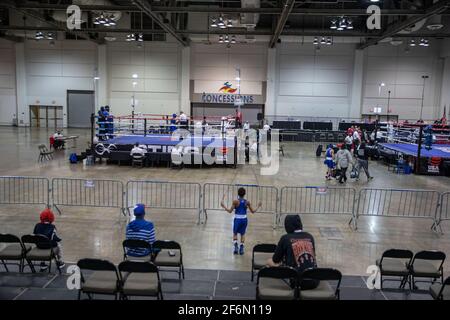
<point x="165" y="139"/>
<point x="424" y="145"/>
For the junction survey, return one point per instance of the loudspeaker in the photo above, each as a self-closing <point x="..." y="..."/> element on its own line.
<point x="260" y="116"/>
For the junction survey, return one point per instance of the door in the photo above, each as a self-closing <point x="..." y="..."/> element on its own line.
<point x="46" y="116"/>
<point x="80" y="106"/>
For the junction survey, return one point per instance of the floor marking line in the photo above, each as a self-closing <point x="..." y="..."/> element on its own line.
<point x="50" y="281"/>
<point x="21" y="293"/>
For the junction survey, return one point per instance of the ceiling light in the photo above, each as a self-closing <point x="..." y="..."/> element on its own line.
<point x="374" y="0"/>
<point x="96" y="21"/>
<point x="50" y="36"/>
<point x="134" y="76"/>
<point x="333" y="24"/>
<point x="112" y="22"/>
<point x="39" y="35"/>
<point x="422" y="42"/>
<point x="226" y="40"/>
<point x="233" y="39"/>
<point x="214" y="23"/>
<point x="426" y="43"/>
<point x="229" y="23"/>
<point x="323" y="40"/>
<point x="342" y="24"/>
<point x="220" y="39"/>
<point x="412" y="43"/>
<point x="349" y="24"/>
<point x="140" y="37"/>
<point x="102" y="19"/>
<point x="316" y="41"/>
<point x="329" y="41"/>
<point x="220" y="23"/>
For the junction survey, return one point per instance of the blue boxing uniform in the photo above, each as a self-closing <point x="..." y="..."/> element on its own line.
<point x="240" y="217"/>
<point x="329" y="159"/>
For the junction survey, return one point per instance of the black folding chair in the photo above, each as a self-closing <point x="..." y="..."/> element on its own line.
<point x="427" y="264"/>
<point x="104" y="280"/>
<point x="324" y="290"/>
<point x="13" y="250"/>
<point x="277" y="283"/>
<point x="441" y="291"/>
<point x="41" y="251"/>
<point x="395" y="262"/>
<point x="168" y="254"/>
<point x="140" y="279"/>
<point x="135" y="244"/>
<point x="260" y="254"/>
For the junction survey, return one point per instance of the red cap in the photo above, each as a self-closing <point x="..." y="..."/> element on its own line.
<point x="47" y="216"/>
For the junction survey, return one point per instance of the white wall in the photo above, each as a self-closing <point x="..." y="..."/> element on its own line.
<point x="7" y="82"/>
<point x="212" y="65"/>
<point x="314" y="83"/>
<point x="52" y="70"/>
<point x="402" y="73"/>
<point x="158" y="66"/>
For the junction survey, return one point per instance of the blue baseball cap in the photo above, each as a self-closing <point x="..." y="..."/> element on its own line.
<point x="139" y="209"/>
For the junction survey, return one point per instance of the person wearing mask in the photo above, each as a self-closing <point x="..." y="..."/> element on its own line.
<point x="348" y="141"/>
<point x="343" y="160"/>
<point x="140" y="229"/>
<point x="183" y="120"/>
<point x="362" y="159"/>
<point x="296" y="249"/>
<point x="47" y="228"/>
<point x="58" y="143"/>
<point x="137" y="150"/>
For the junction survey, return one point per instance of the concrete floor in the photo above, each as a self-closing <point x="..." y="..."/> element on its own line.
<point x="98" y="232"/>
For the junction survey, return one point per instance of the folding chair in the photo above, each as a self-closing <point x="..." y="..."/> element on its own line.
<point x="324" y="291"/>
<point x="427" y="264"/>
<point x="168" y="254"/>
<point x="44" y="153"/>
<point x="441" y="291"/>
<point x="140" y="279"/>
<point x="104" y="280"/>
<point x="261" y="253"/>
<point x="322" y="137"/>
<point x="330" y="137"/>
<point x="13" y="250"/>
<point x="41" y="251"/>
<point x="276" y="283"/>
<point x="395" y="262"/>
<point x="138" y="159"/>
<point x="136" y="245"/>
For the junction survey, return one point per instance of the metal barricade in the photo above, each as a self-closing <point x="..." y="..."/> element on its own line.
<point x="401" y="203"/>
<point x="165" y="195"/>
<point x="444" y="212"/>
<point x="24" y="190"/>
<point x="215" y="193"/>
<point x="317" y="200"/>
<point x="87" y="193"/>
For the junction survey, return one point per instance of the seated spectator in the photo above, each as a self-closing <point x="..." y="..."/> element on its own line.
<point x="48" y="229"/>
<point x="57" y="142"/>
<point x="296" y="249"/>
<point x="137" y="150"/>
<point x="140" y="229"/>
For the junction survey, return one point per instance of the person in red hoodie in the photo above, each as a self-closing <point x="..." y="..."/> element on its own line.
<point x="48" y="229"/>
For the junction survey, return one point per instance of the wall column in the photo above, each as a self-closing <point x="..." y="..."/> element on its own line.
<point x="185" y="99"/>
<point x="270" y="106"/>
<point x="357" y="85"/>
<point x="102" y="98"/>
<point x="23" y="112"/>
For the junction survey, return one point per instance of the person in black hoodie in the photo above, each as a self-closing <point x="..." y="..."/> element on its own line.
<point x="296" y="249"/>
<point x="48" y="229"/>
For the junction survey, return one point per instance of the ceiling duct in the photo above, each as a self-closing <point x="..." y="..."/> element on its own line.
<point x="250" y="20"/>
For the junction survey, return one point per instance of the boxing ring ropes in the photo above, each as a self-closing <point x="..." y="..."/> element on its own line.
<point x="146" y="124"/>
<point x="316" y="200"/>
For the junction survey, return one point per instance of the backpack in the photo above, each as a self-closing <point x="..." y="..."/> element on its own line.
<point x="73" y="158"/>
<point x="319" y="150"/>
